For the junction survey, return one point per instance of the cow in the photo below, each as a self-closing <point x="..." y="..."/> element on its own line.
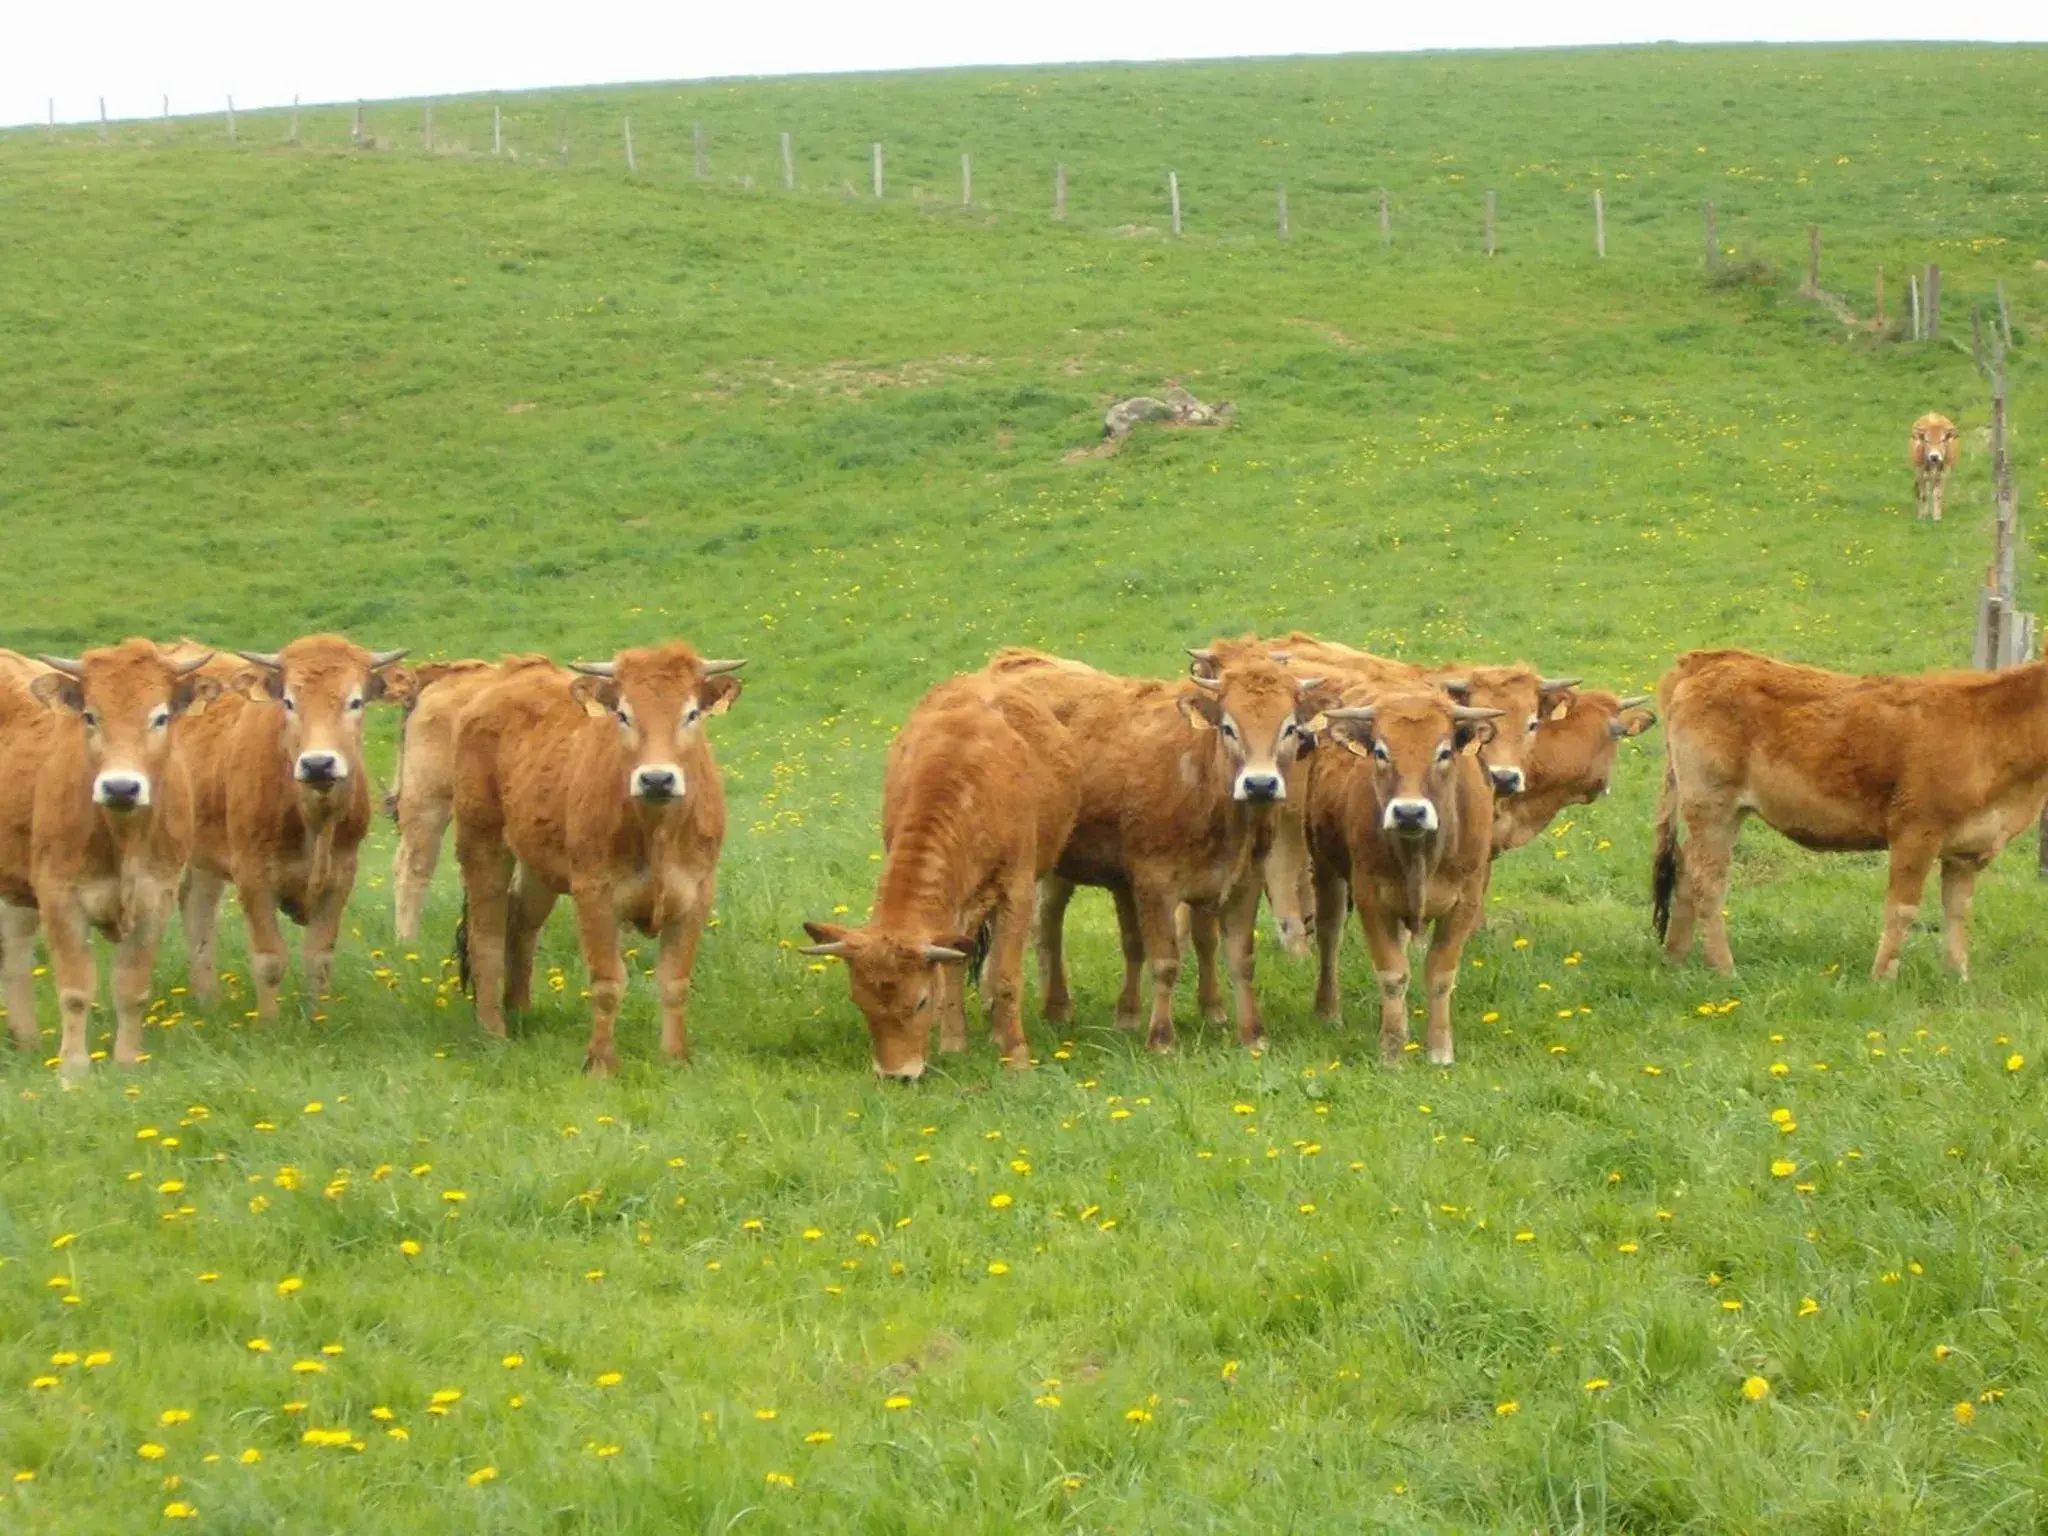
<point x="1180" y="783"/>
<point x="600" y="787"/>
<point x="281" y="803"/>
<point x="1570" y="762"/>
<point x="423" y="798"/>
<point x="1944" y="767"/>
<point x="95" y="820"/>
<point x="1401" y="813"/>
<point x="979" y="797"/>
<point x="1932" y="454"/>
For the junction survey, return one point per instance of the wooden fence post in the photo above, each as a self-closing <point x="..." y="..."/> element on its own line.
<point x="231" y="119"/>
<point x="357" y="133"/>
<point x="103" y="119"/>
<point x="1913" y="297"/>
<point x="1173" y="194"/>
<point x="1386" y="219"/>
<point x="2004" y="315"/>
<point x="1977" y="336"/>
<point x="631" y="168"/>
<point x="1491" y="202"/>
<point x="497" y="129"/>
<point x="788" y="166"/>
<point x="1933" y="302"/>
<point x="1713" y="238"/>
<point x="294" y="136"/>
<point x="877" y="153"/>
<point x="703" y="161"/>
<point x="1283" y="210"/>
<point x="1812" y="289"/>
<point x="1059" y="191"/>
<point x="1880" y="295"/>
<point x="1599" y="225"/>
<point x="966" y="182"/>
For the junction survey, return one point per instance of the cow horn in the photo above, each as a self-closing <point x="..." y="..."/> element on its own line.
<point x="1455" y="684"/>
<point x="836" y="947"/>
<point x="1281" y="657"/>
<point x="1362" y="713"/>
<point x="63" y="664"/>
<point x="1207" y="656"/>
<point x="592" y="668"/>
<point x="1464" y="712"/>
<point x="1556" y="684"/>
<point x="940" y="954"/>
<point x="379" y="660"/>
<point x="1635" y="701"/>
<point x="270" y="659"/>
<point x="1302" y="685"/>
<point x="1213" y="684"/>
<point x="187" y="668"/>
<point x="713" y="668"/>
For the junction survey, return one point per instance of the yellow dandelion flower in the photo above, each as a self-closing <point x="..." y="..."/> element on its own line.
<point x="1783" y="1168"/>
<point x="64" y="1357"/>
<point x="764" y="1414"/>
<point x="1525" y="1236"/>
<point x="2014" y="1062"/>
<point x="149" y="1450"/>
<point x="64" y="1240"/>
<point x="290" y="1285"/>
<point x="445" y="1396"/>
<point x="1625" y="1248"/>
<point x="178" y="1509"/>
<point x="818" y="1437"/>
<point x="172" y="1416"/>
<point x="1965" y="1413"/>
<point x="309" y="1368"/>
<point x="1506" y="1410"/>
<point x="382" y="1414"/>
<point x="1942" y="1351"/>
<point x="481" y="1476"/>
<point x="604" y="1452"/>
<point x="896" y="1401"/>
<point x="409" y="1247"/>
<point x="1307" y="1208"/>
<point x="1598" y="1384"/>
<point x="250" y="1457"/>
<point x="98" y="1358"/>
<point x="610" y="1378"/>
<point x="1138" y="1415"/>
<point x="1808" y="1306"/>
<point x="513" y="1362"/>
<point x="1756" y="1389"/>
<point x="779" y="1480"/>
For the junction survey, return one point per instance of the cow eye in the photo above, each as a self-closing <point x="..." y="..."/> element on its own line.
<point x="924" y="1002"/>
<point x="355" y="704"/>
<point x="690" y="715"/>
<point x="1228" y="730"/>
<point x="291" y="706"/>
<point x="623" y="716"/>
<point x="1533" y="722"/>
<point x="1379" y="750"/>
<point x="161" y="718"/>
<point x="1443" y="754"/>
<point x="92" y="721"/>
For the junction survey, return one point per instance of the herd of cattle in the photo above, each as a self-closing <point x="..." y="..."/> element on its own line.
<point x="1298" y="771"/>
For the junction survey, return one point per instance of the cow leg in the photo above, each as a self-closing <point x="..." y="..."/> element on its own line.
<point x="1329" y="940"/>
<point x="672" y="972"/>
<point x="1910" y="861"/>
<point x="526" y="912"/>
<point x="18" y="969"/>
<point x="266" y="945"/>
<point x="1161" y="943"/>
<point x="1131" y="934"/>
<point x="1055" y="1001"/>
<point x="486" y="895"/>
<point x="1288" y="884"/>
<point x="134" y="970"/>
<point x="1240" y="935"/>
<point x="1939" y="482"/>
<point x="1440" y="967"/>
<point x="199" y="915"/>
<point x="597" y="925"/>
<point x="1703" y="889"/>
<point x="323" y="925"/>
<point x="1383" y="937"/>
<point x="1203" y="932"/>
<point x="1958" y="886"/>
<point x="77" y="977"/>
<point x="422" y="821"/>
<point x="1002" y="981"/>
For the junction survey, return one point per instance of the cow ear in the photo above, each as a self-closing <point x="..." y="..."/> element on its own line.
<point x="826" y="933"/>
<point x="1354" y="746"/>
<point x="1458" y="688"/>
<point x="597" y="695"/>
<point x="192" y="694"/>
<point x="378" y="687"/>
<point x="1473" y="734"/>
<point x="719" y="694"/>
<point x="1200" y="710"/>
<point x="57" y="691"/>
<point x="1634" y="722"/>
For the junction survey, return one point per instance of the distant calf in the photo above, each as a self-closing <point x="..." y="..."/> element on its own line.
<point x="1933" y="454"/>
<point x="601" y="788"/>
<point x="1944" y="767"/>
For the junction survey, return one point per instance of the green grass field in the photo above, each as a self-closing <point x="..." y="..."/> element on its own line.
<point x="467" y="404"/>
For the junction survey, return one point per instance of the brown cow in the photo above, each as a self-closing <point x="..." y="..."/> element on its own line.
<point x="1933" y="454"/>
<point x="979" y="797"/>
<point x="281" y="802"/>
<point x="95" y="818"/>
<point x="1947" y="766"/>
<point x="1571" y="761"/>
<point x="423" y="798"/>
<point x="1402" y="813"/>
<point x="602" y="788"/>
<point x="1179" y="786"/>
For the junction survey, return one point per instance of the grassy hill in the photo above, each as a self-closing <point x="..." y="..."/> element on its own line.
<point x="468" y="403"/>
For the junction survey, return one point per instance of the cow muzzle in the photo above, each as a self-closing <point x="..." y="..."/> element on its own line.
<point x="1259" y="788"/>
<point x="117" y="789"/>
<point x="321" y="770"/>
<point x="908" y="1072"/>
<point x="1935" y="460"/>
<point x="1506" y="781"/>
<point x="657" y="783"/>
<point x="1410" y="818"/>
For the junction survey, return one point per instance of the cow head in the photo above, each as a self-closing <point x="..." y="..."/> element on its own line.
<point x="1260" y="713"/>
<point x="1574" y="754"/>
<point x="1413" y="742"/>
<point x="658" y="698"/>
<point x="125" y="696"/>
<point x="1526" y="702"/>
<point x="1934" y="437"/>
<point x="898" y="987"/>
<point x="322" y="684"/>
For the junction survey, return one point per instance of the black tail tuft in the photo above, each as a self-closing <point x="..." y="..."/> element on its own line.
<point x="977" y="957"/>
<point x="1663" y="881"/>
<point x="391" y="803"/>
<point x="462" y="950"/>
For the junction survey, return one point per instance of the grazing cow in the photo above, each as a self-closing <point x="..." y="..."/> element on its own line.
<point x="1402" y="813"/>
<point x="1947" y="767"/>
<point x="281" y="802"/>
<point x="1933" y="454"/>
<point x="423" y="798"/>
<point x="978" y="799"/>
<point x="95" y="819"/>
<point x="1179" y="786"/>
<point x="601" y="788"/>
<point x="1571" y="761"/>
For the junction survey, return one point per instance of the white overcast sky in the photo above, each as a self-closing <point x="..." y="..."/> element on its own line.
<point x="133" y="52"/>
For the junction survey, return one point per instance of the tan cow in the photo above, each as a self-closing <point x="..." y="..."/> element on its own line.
<point x="281" y="803"/>
<point x="601" y="788"/>
<point x="1933" y="453"/>
<point x="95" y="818"/>
<point x="1400" y="811"/>
<point x="1179" y="786"/>
<point x="1946" y="767"/>
<point x="979" y="797"/>
<point x="423" y="798"/>
<point x="1571" y="761"/>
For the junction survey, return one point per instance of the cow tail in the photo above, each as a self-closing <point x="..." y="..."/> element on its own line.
<point x="1664" y="869"/>
<point x="398" y="765"/>
<point x="977" y="957"/>
<point x="462" y="969"/>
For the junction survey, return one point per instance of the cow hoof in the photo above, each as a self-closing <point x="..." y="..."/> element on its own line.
<point x="1443" y="1058"/>
<point x="1057" y="1013"/>
<point x="1159" y="1042"/>
<point x="600" y="1066"/>
<point x="1130" y="1021"/>
<point x="1215" y="1013"/>
<point x="72" y="1074"/>
<point x="1017" y="1061"/>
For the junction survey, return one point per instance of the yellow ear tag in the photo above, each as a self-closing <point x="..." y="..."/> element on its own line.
<point x="595" y="710"/>
<point x="1563" y="708"/>
<point x="1357" y="748"/>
